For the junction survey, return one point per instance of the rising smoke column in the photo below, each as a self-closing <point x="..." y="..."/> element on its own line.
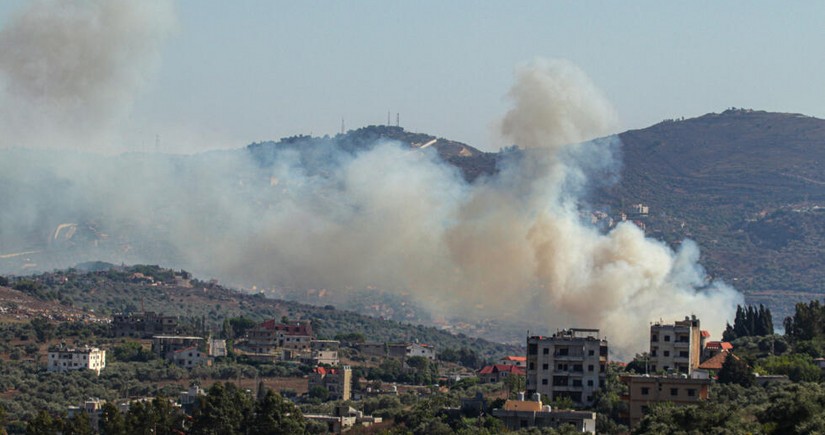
<point x="70" y="70"/>
<point x="529" y="248"/>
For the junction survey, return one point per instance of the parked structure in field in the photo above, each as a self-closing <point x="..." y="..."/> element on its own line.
<point x="87" y="358"/>
<point x="571" y="363"/>
<point x="675" y="347"/>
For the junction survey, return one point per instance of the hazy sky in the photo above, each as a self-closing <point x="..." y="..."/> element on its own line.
<point x="236" y="72"/>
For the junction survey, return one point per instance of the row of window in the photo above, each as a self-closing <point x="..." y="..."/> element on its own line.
<point x="691" y="392"/>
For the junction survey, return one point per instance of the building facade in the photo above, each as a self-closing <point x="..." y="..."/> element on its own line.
<point x="675" y="347"/>
<point x="522" y="414"/>
<point x="143" y="324"/>
<point x="88" y="358"/>
<point x="644" y="390"/>
<point x="165" y="345"/>
<point x="338" y="381"/>
<point x="571" y="363"/>
<point x="293" y="337"/>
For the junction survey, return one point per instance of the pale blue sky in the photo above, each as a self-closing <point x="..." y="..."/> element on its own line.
<point x="236" y="72"/>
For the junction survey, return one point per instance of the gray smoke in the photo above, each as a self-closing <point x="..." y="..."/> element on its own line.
<point x="70" y="70"/>
<point x="511" y="246"/>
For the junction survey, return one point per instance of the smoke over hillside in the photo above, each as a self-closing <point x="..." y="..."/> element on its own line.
<point x="70" y="70"/>
<point x="510" y="245"/>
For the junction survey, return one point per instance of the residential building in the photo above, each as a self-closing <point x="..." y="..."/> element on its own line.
<point x="399" y="351"/>
<point x="571" y="363"/>
<point x="217" y="347"/>
<point x="497" y="373"/>
<point x="164" y="345"/>
<point x="521" y="414"/>
<point x="644" y="390"/>
<point x="518" y="361"/>
<point x="293" y="337"/>
<point x="338" y="381"/>
<point x="92" y="407"/>
<point x="713" y="348"/>
<point x="189" y="357"/>
<point x="87" y="358"/>
<point x="143" y="324"/>
<point x="422" y="350"/>
<point x="323" y="352"/>
<point x="675" y="347"/>
<point x="343" y="419"/>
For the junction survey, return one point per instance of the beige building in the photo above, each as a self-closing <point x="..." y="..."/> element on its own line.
<point x="644" y="390"/>
<point x="571" y="363"/>
<point x="522" y="414"/>
<point x="165" y="345"/>
<point x="87" y="358"/>
<point x="189" y="357"/>
<point x="294" y="338"/>
<point x="338" y="381"/>
<point x="675" y="347"/>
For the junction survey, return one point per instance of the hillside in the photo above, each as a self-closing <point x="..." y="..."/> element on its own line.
<point x="748" y="186"/>
<point x="151" y="288"/>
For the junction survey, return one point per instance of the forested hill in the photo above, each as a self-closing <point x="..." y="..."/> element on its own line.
<point x="749" y="186"/>
<point x="113" y="289"/>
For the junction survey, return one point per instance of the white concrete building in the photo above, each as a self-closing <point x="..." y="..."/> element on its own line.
<point x="675" y="347"/>
<point x="572" y="363"/>
<point x="87" y="358"/>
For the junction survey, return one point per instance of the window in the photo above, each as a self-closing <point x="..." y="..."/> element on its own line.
<point x="577" y="382"/>
<point x="645" y="391"/>
<point x="674" y="391"/>
<point x="691" y="392"/>
<point x="667" y="353"/>
<point x="591" y="352"/>
<point x="577" y="367"/>
<point x="590" y="368"/>
<point x="590" y="382"/>
<point x="532" y="349"/>
<point x="560" y="367"/>
<point x="545" y="366"/>
<point x="562" y="351"/>
<point x="667" y="338"/>
<point x="684" y="354"/>
<point x="544" y="381"/>
<point x="545" y="351"/>
<point x="532" y="366"/>
<point x="654" y="337"/>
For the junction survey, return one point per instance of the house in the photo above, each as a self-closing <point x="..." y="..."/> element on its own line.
<point x="644" y="390"/>
<point x="217" y="347"/>
<point x="420" y="350"/>
<point x="713" y="348"/>
<point x="164" y="345"/>
<point x="323" y="352"/>
<point x="338" y="381"/>
<point x="343" y="419"/>
<point x="92" y="407"/>
<point x="497" y="373"/>
<point x="675" y="347"/>
<point x="293" y="338"/>
<point x="143" y="324"/>
<point x="189" y="357"/>
<point x="518" y="361"/>
<point x="571" y="363"/>
<point x="87" y="358"/>
<point x="521" y="414"/>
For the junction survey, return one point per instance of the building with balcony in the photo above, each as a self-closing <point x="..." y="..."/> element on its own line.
<point x="521" y="414"/>
<point x="87" y="358"/>
<point x="571" y="363"/>
<point x="675" y="347"/>
<point x="644" y="390"/>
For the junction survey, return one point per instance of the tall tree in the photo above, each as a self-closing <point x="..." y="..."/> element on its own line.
<point x="112" y="421"/>
<point x="735" y="371"/>
<point x="275" y="415"/>
<point x="224" y="410"/>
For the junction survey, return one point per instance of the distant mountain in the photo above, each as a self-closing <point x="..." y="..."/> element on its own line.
<point x="748" y="186"/>
<point x="318" y="151"/>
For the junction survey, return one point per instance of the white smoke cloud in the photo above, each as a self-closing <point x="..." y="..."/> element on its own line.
<point x="70" y="70"/>
<point x="509" y="246"/>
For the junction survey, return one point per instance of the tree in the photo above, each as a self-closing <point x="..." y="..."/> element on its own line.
<point x="79" y="424"/>
<point x="735" y="371"/>
<point x="42" y="424"/>
<point x="275" y="415"/>
<point x="319" y="392"/>
<point x="112" y="421"/>
<point x="224" y="410"/>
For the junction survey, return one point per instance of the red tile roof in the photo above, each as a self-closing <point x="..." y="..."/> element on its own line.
<point x="715" y="363"/>
<point x="497" y="368"/>
<point x="515" y="358"/>
<point x="723" y="345"/>
<point x="705" y="334"/>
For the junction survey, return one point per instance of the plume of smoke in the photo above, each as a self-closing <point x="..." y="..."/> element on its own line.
<point x="70" y="70"/>
<point x="512" y="245"/>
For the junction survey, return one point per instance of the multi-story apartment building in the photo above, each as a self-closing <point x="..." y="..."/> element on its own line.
<point x="143" y="324"/>
<point x="293" y="337"/>
<point x="521" y="414"/>
<point x="644" y="390"/>
<point x="571" y="363"/>
<point x="87" y="358"/>
<point x="338" y="381"/>
<point x="675" y="347"/>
